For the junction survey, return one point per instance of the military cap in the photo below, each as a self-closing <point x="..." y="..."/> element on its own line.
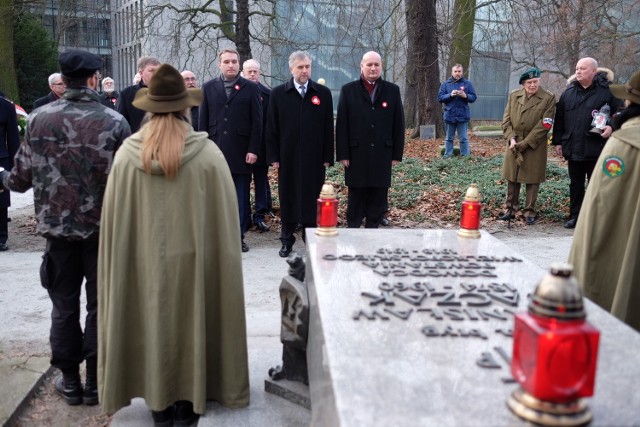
<point x="531" y="73"/>
<point x="75" y="63"/>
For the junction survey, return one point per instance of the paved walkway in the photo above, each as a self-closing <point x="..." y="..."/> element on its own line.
<point x="25" y="308"/>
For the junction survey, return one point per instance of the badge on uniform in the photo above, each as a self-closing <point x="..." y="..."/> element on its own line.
<point x="613" y="167"/>
<point x="315" y="100"/>
<point x="384" y="105"/>
<point x="547" y="122"/>
<point x="237" y="87"/>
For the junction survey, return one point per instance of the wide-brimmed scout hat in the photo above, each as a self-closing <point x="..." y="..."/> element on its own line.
<point x="167" y="93"/>
<point x="630" y="90"/>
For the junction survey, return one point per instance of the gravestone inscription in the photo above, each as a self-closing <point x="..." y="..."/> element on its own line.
<point x="414" y="327"/>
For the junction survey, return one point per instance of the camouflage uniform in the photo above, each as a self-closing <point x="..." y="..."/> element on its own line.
<point x="66" y="157"/>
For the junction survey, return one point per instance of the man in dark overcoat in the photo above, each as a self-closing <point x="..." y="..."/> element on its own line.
<point x="57" y="87"/>
<point x="262" y="190"/>
<point x="231" y="113"/>
<point x="9" y="144"/>
<point x="369" y="141"/>
<point x="587" y="92"/>
<point x="300" y="145"/>
<point x="147" y="65"/>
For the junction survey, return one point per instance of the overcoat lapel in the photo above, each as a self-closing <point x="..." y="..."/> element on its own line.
<point x="219" y="87"/>
<point x="235" y="91"/>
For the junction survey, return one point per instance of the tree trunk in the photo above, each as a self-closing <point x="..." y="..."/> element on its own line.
<point x="243" y="36"/>
<point x="463" y="20"/>
<point x="423" y="51"/>
<point x="411" y="82"/>
<point x="7" y="66"/>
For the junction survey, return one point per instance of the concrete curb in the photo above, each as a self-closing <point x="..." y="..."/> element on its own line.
<point x="16" y="389"/>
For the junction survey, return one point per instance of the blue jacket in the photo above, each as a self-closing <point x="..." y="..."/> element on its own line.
<point x="456" y="109"/>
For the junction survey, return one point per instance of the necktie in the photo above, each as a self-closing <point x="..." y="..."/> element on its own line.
<point x="303" y="91"/>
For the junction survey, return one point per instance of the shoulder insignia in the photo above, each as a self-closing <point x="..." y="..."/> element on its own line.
<point x="613" y="167"/>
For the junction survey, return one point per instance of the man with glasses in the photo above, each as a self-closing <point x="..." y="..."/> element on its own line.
<point x="109" y="93"/>
<point x="57" y="90"/>
<point x="192" y="83"/>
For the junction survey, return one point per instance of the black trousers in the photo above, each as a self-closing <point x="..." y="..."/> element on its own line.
<point x="4" y="224"/>
<point x="288" y="228"/>
<point x="65" y="265"/>
<point x="262" y="192"/>
<point x="577" y="173"/>
<point x="369" y="203"/>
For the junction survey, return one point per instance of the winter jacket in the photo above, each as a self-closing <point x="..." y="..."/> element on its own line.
<point x="574" y="115"/>
<point x="456" y="108"/>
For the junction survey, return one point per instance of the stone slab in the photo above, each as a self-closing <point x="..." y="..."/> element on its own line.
<point x="427" y="131"/>
<point x="416" y="367"/>
<point x="292" y="391"/>
<point x="19" y="377"/>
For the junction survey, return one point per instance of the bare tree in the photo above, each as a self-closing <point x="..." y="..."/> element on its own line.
<point x="421" y="103"/>
<point x="555" y="35"/>
<point x="7" y="68"/>
<point x="464" y="22"/>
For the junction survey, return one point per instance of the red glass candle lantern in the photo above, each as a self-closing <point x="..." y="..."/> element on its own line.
<point x="327" y="213"/>
<point x="470" y="217"/>
<point x="555" y="351"/>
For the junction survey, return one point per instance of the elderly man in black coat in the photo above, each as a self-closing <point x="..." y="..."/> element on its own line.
<point x="57" y="87"/>
<point x="369" y="141"/>
<point x="231" y="113"/>
<point x="300" y="145"/>
<point x="572" y="134"/>
<point x="9" y="144"/>
<point x="262" y="190"/>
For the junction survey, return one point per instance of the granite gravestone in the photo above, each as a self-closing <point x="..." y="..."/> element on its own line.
<point x="414" y="327"/>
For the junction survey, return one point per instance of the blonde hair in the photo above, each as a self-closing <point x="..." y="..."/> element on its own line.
<point x="163" y="138"/>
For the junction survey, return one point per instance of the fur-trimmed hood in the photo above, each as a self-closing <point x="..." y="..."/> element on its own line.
<point x="600" y="71"/>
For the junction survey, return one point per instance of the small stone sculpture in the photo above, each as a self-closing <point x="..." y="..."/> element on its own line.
<point x="295" y="323"/>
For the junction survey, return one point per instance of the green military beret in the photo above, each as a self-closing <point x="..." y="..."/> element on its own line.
<point x="531" y="73"/>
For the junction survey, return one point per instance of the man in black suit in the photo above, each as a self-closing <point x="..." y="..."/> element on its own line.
<point x="369" y="141"/>
<point x="300" y="145"/>
<point x="231" y="113"/>
<point x="9" y="144"/>
<point x="57" y="87"/>
<point x="262" y="191"/>
<point x="147" y="65"/>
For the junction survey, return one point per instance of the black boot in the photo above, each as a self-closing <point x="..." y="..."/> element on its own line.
<point x="90" y="395"/>
<point x="70" y="388"/>
<point x="184" y="415"/>
<point x="163" y="418"/>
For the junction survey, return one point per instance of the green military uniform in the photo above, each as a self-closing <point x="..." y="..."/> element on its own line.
<point x="524" y="119"/>
<point x="606" y="244"/>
